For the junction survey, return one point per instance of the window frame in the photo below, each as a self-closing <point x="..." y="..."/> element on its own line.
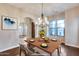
<point x="56" y="29"/>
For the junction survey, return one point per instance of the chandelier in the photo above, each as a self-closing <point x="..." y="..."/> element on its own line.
<point x="42" y="21"/>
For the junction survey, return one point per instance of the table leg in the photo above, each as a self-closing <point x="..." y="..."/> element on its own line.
<point x="58" y="52"/>
<point x="50" y="54"/>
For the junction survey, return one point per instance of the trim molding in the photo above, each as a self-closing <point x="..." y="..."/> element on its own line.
<point x="9" y="48"/>
<point x="76" y="46"/>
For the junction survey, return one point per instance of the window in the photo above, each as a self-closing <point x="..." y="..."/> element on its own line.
<point x="56" y="28"/>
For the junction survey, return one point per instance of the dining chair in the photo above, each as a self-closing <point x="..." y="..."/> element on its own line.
<point x="27" y="51"/>
<point x="59" y="41"/>
<point x="30" y="46"/>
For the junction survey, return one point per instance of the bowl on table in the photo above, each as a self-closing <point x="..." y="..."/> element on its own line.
<point x="44" y="45"/>
<point x="32" y="40"/>
<point x="54" y="40"/>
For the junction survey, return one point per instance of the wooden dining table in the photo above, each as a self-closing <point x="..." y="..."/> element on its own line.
<point x="52" y="46"/>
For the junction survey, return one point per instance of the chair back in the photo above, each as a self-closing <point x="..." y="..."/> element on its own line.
<point x="28" y="52"/>
<point x="59" y="41"/>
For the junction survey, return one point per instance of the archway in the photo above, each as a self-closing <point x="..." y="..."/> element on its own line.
<point x="30" y="27"/>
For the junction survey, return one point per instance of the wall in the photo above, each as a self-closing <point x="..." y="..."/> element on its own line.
<point x="10" y="38"/>
<point x="57" y="16"/>
<point x="72" y="27"/>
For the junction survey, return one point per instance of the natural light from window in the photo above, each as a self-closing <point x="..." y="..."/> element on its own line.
<point x="56" y="28"/>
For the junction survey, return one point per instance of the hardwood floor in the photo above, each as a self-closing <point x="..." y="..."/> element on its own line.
<point x="70" y="51"/>
<point x="11" y="52"/>
<point x="65" y="51"/>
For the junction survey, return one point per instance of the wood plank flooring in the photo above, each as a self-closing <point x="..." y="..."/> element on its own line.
<point x="11" y="52"/>
<point x="70" y="51"/>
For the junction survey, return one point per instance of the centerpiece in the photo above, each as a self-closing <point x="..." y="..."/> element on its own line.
<point x="42" y="36"/>
<point x="42" y="33"/>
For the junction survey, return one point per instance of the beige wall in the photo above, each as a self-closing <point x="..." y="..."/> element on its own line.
<point x="72" y="27"/>
<point x="10" y="38"/>
<point x="57" y="17"/>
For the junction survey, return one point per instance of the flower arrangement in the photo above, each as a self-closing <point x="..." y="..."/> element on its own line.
<point x="42" y="33"/>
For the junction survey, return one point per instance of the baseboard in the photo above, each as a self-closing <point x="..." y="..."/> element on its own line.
<point x="76" y="46"/>
<point x="9" y="48"/>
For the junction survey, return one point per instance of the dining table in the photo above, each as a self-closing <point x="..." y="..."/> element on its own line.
<point x="51" y="45"/>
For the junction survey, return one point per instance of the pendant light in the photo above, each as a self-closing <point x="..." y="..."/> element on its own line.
<point x="43" y="20"/>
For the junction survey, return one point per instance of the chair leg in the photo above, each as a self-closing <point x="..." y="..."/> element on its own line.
<point x="20" y="52"/>
<point x="58" y="51"/>
<point x="23" y="52"/>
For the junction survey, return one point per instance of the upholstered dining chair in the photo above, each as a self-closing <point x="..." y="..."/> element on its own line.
<point x="59" y="41"/>
<point x="27" y="51"/>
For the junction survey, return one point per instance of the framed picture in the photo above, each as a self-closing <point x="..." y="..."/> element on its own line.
<point x="9" y="23"/>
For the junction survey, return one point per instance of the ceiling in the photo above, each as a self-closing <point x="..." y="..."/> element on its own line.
<point x="49" y="9"/>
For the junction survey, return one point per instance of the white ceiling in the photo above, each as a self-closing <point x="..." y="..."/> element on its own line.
<point x="49" y="9"/>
